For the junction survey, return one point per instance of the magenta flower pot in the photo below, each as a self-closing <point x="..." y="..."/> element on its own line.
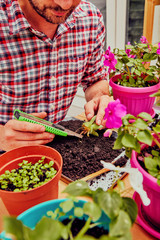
<point x="153" y="191"/>
<point x="136" y="100"/>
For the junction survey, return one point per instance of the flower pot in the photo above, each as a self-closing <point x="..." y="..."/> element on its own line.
<point x="33" y="215"/>
<point x="18" y="202"/>
<point x="152" y="212"/>
<point x="136" y="100"/>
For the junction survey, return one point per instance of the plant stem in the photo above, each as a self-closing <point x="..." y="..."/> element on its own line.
<point x="84" y="229"/>
<point x="128" y="71"/>
<point x="156" y="141"/>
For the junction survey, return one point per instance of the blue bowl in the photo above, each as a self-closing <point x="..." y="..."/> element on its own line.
<point x="34" y="214"/>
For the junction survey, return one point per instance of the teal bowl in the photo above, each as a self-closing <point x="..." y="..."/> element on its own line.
<point x="34" y="214"/>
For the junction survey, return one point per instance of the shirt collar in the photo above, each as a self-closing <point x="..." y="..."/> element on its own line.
<point x="18" y="22"/>
<point x="71" y="20"/>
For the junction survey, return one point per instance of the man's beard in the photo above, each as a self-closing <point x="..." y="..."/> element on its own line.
<point x="48" y="16"/>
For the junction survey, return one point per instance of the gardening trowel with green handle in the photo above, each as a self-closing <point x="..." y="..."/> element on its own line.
<point x="56" y="129"/>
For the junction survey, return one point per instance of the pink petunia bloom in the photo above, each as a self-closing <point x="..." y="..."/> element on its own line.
<point x="158" y="50"/>
<point x="143" y="40"/>
<point x="110" y="60"/>
<point x="114" y="113"/>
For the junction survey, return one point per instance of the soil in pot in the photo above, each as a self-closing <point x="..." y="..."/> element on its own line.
<point x="82" y="157"/>
<point x="77" y="225"/>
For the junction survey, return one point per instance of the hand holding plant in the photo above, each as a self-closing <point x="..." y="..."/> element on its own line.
<point x="90" y="127"/>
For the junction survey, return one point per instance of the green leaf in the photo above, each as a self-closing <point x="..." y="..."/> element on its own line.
<point x="110" y="202"/>
<point x="118" y="142"/>
<point x="129" y="141"/>
<point x="119" y="64"/>
<point x="140" y="124"/>
<point x="92" y="210"/>
<point x="121" y="225"/>
<point x="43" y="230"/>
<point x="145" y="137"/>
<point x="67" y="205"/>
<point x="15" y="227"/>
<point x="78" y="212"/>
<point x="131" y="207"/>
<point x="156" y="129"/>
<point x="78" y="188"/>
<point x="145" y="116"/>
<point x="138" y="72"/>
<point x="150" y="163"/>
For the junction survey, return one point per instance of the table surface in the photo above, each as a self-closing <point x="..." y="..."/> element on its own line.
<point x="138" y="233"/>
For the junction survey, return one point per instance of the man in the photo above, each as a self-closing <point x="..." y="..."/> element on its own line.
<point x="47" y="49"/>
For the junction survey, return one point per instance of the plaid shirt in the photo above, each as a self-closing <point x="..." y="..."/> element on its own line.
<point x="39" y="74"/>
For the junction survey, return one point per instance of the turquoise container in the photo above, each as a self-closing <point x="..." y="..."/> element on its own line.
<point x="33" y="215"/>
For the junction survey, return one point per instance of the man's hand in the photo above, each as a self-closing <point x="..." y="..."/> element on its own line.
<point x="97" y="106"/>
<point x="19" y="133"/>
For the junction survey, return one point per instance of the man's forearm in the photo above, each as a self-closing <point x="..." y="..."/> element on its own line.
<point x="98" y="89"/>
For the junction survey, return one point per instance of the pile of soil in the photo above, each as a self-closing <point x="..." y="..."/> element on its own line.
<point x="82" y="157"/>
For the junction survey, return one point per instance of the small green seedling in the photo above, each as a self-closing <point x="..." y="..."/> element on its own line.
<point x="90" y="127"/>
<point x="27" y="176"/>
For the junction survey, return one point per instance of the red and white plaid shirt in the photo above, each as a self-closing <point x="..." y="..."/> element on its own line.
<point x="39" y="74"/>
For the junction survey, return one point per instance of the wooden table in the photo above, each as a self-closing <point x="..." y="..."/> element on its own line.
<point x="138" y="233"/>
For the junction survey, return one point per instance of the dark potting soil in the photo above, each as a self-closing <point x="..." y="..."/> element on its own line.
<point x="77" y="225"/>
<point x="82" y="157"/>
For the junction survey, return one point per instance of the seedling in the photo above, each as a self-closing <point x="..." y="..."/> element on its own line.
<point x="90" y="127"/>
<point x="27" y="176"/>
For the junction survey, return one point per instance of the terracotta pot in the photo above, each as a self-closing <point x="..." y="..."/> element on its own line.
<point x="17" y="202"/>
<point x="136" y="100"/>
<point x="153" y="191"/>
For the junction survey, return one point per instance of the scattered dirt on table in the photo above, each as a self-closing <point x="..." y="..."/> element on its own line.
<point x="82" y="157"/>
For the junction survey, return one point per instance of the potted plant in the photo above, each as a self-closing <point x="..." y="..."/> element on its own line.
<point x="135" y="135"/>
<point x="134" y="75"/>
<point x="29" y="175"/>
<point x="106" y="215"/>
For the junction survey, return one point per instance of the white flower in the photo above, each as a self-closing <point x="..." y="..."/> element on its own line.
<point x="135" y="177"/>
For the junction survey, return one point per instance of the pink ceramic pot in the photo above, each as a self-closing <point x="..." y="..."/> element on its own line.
<point x="153" y="191"/>
<point x="18" y="202"/>
<point x="136" y="100"/>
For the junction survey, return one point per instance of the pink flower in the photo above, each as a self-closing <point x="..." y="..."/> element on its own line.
<point x="107" y="133"/>
<point x="113" y="114"/>
<point x="158" y="50"/>
<point x="143" y="40"/>
<point x="110" y="60"/>
<point x="128" y="53"/>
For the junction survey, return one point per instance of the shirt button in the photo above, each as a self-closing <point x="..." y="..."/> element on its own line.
<point x="53" y="78"/>
<point x="52" y="107"/>
<point x="54" y="44"/>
